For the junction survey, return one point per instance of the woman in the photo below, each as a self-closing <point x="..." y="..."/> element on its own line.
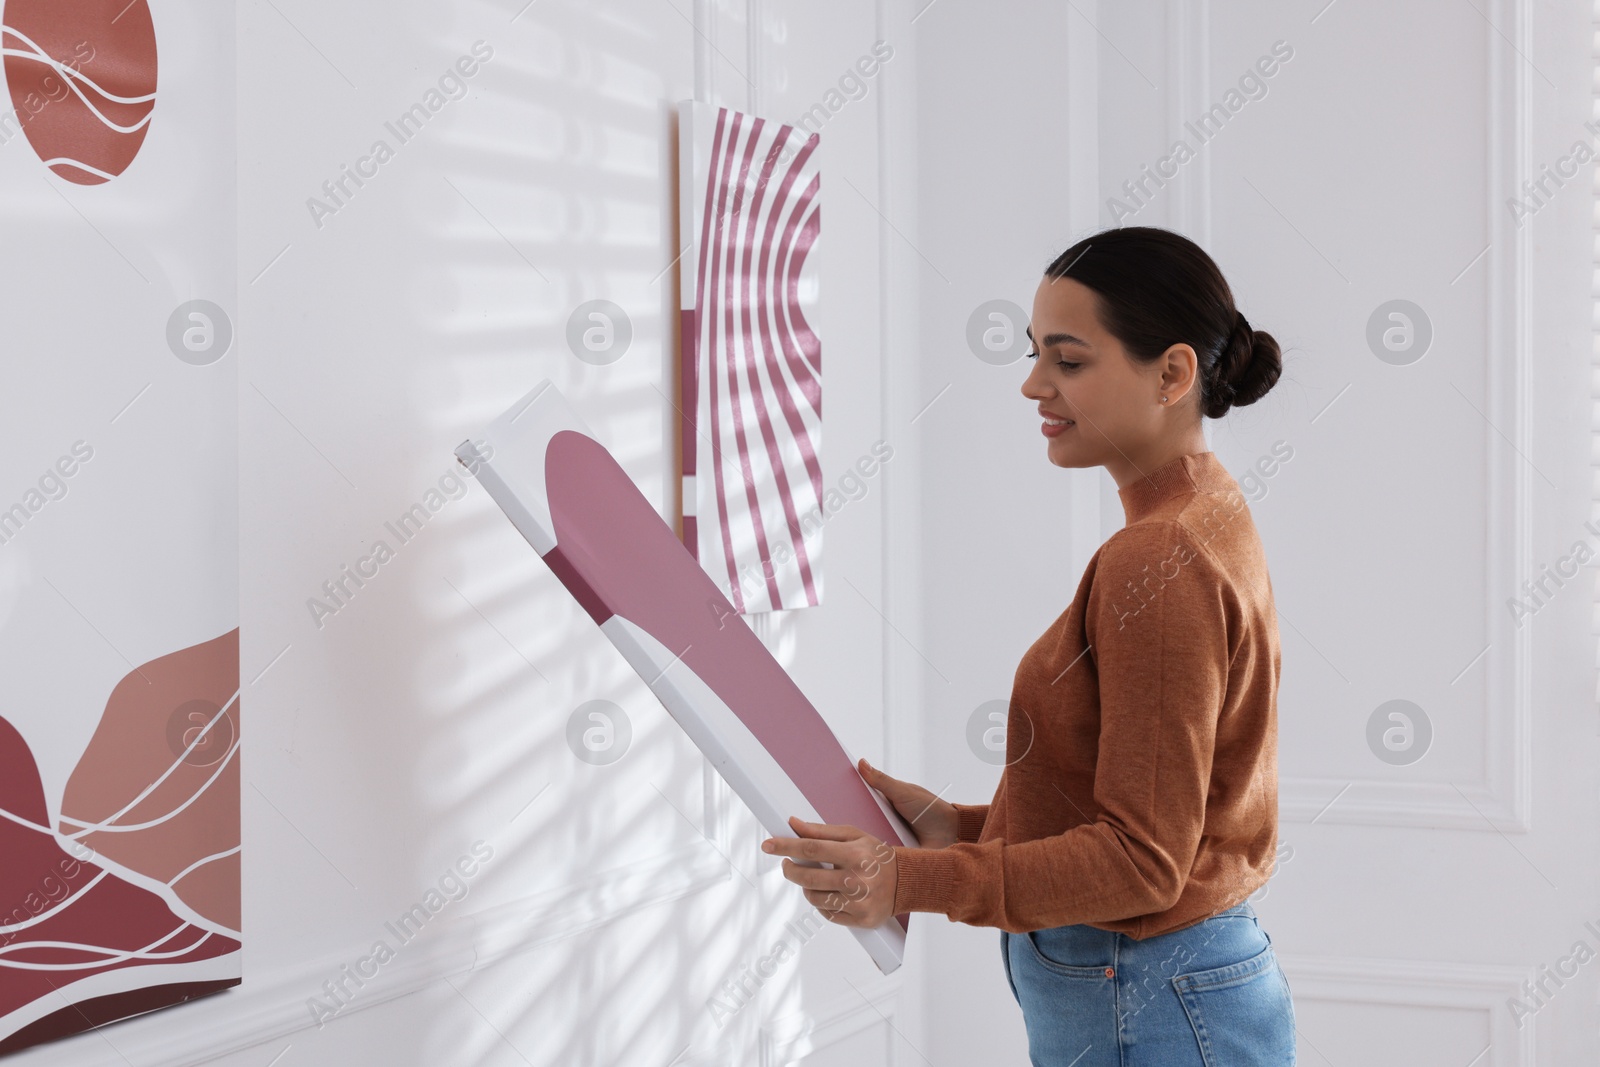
<point x="1137" y="810"/>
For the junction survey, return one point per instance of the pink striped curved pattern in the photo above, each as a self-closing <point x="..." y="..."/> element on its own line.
<point x="752" y="360"/>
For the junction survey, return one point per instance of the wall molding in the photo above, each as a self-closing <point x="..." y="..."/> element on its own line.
<point x="791" y="1037"/>
<point x="1189" y="45"/>
<point x="1429" y="984"/>
<point x="1501" y="801"/>
<point x="1594" y="365"/>
<point x="904" y="693"/>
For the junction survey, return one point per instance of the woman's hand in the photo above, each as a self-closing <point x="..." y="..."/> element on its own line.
<point x="934" y="821"/>
<point x="859" y="890"/>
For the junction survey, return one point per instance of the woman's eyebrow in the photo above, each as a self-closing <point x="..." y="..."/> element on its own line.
<point x="1051" y="339"/>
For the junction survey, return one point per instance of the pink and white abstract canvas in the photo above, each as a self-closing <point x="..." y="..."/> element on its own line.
<point x="571" y="500"/>
<point x="750" y="215"/>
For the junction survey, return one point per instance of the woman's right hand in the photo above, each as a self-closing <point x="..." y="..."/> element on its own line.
<point x="934" y="821"/>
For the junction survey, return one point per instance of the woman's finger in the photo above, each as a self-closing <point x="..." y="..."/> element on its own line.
<point x="827" y="901"/>
<point x="880" y="776"/>
<point x="825" y="830"/>
<point x="813" y="878"/>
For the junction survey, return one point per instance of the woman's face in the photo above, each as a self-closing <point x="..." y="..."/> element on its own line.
<point x="1082" y="374"/>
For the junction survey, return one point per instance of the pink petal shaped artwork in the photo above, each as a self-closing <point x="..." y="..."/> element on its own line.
<point x="569" y="498"/>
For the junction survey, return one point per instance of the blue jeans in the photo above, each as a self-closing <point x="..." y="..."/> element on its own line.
<point x="1210" y="995"/>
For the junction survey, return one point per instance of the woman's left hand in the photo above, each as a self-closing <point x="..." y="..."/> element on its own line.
<point x="859" y="890"/>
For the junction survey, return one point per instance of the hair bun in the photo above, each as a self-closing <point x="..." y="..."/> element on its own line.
<point x="1247" y="368"/>
<point x="1154" y="288"/>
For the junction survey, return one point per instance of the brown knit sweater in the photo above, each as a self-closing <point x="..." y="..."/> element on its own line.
<point x="1140" y="792"/>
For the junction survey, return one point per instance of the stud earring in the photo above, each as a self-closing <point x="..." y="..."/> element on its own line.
<point x="1163" y="400"/>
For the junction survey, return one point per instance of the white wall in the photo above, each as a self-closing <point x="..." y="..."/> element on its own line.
<point x="1006" y="157"/>
<point x="429" y="712"/>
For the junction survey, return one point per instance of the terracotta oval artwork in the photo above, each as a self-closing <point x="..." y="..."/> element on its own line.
<point x="82" y="76"/>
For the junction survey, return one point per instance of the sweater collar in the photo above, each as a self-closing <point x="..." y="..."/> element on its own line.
<point x="1197" y="472"/>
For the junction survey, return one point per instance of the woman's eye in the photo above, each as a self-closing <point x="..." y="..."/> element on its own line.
<point x="1031" y="355"/>
<point x="1069" y="366"/>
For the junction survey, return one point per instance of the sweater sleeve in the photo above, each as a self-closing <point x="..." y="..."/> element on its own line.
<point x="1157" y="623"/>
<point x="969" y="821"/>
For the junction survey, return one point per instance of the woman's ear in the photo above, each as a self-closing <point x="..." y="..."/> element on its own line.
<point x="1179" y="367"/>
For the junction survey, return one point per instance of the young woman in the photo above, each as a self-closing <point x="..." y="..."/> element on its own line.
<point x="1138" y="807"/>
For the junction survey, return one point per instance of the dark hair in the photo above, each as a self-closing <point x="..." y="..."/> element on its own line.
<point x="1155" y="289"/>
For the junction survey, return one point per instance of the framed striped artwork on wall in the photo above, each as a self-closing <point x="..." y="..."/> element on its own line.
<point x="750" y="213"/>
